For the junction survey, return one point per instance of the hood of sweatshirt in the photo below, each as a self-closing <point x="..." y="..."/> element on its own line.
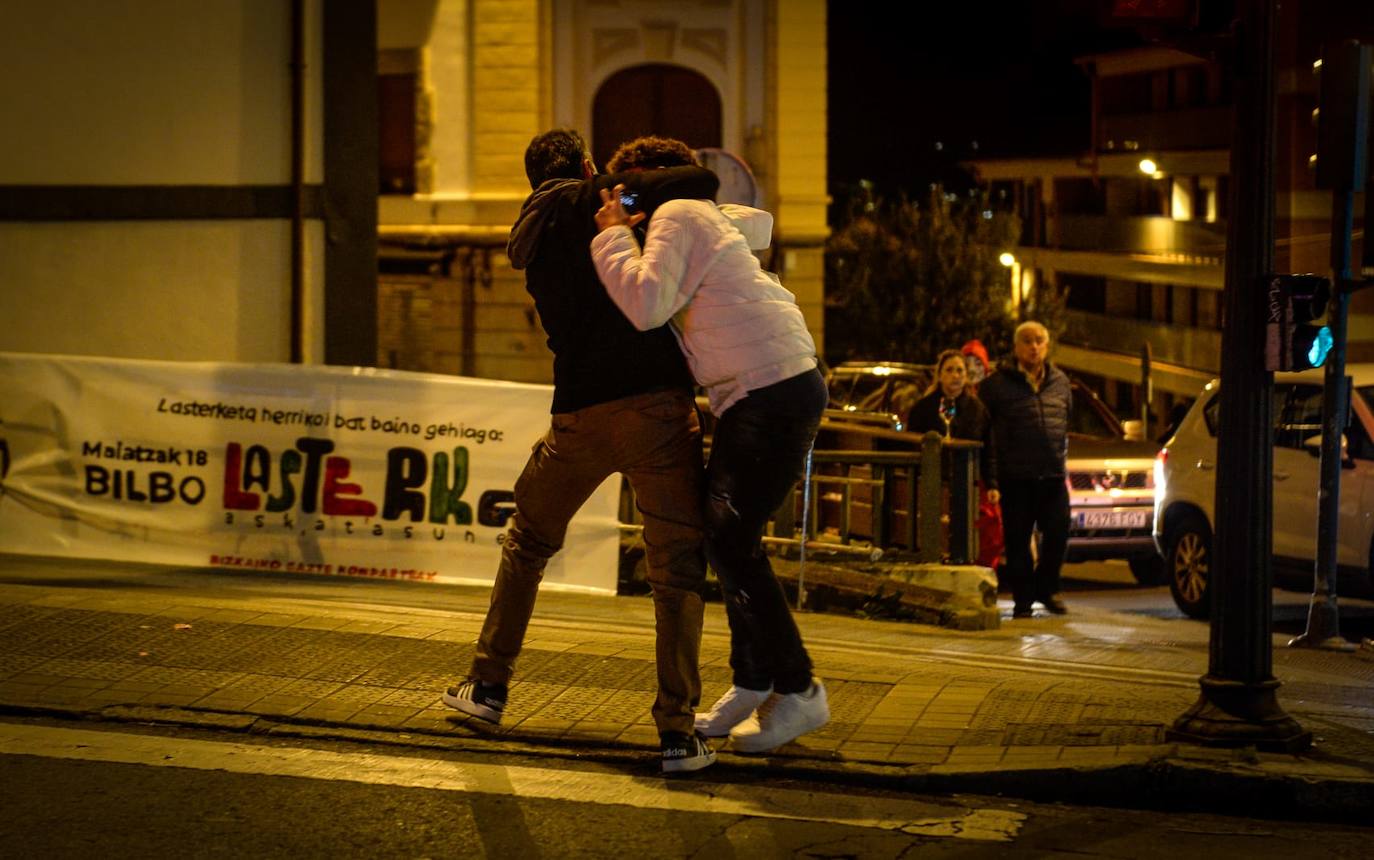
<point x="755" y="224"/>
<point x="529" y="225"/>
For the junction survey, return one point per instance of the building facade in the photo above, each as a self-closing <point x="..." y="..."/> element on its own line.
<point x="189" y="181"/>
<point x="464" y="86"/>
<point x="213" y="181"/>
<point x="1134" y="228"/>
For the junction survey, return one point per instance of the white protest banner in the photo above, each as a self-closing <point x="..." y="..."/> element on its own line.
<point x="328" y="470"/>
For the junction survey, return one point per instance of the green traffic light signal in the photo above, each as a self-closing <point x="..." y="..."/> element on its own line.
<point x="1318" y="344"/>
<point x="1295" y="339"/>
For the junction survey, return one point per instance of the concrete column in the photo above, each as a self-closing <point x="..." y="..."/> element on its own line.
<point x="798" y="166"/>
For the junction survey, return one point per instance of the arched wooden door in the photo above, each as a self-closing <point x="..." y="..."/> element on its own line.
<point x="670" y="101"/>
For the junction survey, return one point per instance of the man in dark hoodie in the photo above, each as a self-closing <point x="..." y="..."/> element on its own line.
<point x="622" y="402"/>
<point x="1030" y="402"/>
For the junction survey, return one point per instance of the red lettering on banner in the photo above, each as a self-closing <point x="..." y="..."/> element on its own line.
<point x="236" y="499"/>
<point x="335" y="470"/>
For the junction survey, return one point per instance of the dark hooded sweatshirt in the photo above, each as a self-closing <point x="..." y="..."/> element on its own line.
<point x="598" y="355"/>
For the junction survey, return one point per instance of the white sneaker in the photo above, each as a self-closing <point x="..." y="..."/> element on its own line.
<point x="730" y="710"/>
<point x="784" y="719"/>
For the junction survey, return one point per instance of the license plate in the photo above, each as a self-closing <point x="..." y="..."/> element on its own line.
<point x="1112" y="519"/>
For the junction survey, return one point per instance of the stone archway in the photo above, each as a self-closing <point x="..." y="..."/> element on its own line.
<point x="655" y="98"/>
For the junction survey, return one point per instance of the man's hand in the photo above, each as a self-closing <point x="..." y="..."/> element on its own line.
<point x="612" y="213"/>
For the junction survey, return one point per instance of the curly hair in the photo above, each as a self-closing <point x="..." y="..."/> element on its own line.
<point x="649" y="151"/>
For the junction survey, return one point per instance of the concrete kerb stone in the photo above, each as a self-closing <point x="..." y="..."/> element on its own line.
<point x="970" y="590"/>
<point x="1167" y="780"/>
<point x="957" y="596"/>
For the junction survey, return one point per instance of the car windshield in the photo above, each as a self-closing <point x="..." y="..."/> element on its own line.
<point x="1360" y="445"/>
<point x="876" y="390"/>
<point x="868" y="394"/>
<point x="840" y="386"/>
<point x="905" y="393"/>
<point x="881" y="390"/>
<point x="1088" y="419"/>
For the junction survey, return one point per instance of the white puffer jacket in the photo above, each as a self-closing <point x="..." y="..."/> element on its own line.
<point x="739" y="328"/>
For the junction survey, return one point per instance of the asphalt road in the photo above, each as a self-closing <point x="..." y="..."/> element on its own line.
<point x="80" y="791"/>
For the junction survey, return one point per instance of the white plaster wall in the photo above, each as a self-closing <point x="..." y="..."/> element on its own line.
<point x="192" y="291"/>
<point x="404" y="23"/>
<point x="450" y="54"/>
<point x="158" y="92"/>
<point x="153" y="92"/>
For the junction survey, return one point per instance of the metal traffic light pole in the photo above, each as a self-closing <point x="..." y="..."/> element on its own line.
<point x="1343" y="121"/>
<point x="1238" y="702"/>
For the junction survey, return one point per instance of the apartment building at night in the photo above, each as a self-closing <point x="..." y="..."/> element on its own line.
<point x="1134" y="226"/>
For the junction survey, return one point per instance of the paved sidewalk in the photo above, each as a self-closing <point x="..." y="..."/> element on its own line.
<point x="1070" y="708"/>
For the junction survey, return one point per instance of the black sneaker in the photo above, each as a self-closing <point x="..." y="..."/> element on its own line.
<point x="1055" y="606"/>
<point x="1022" y="612"/>
<point x="683" y="752"/>
<point x="483" y="701"/>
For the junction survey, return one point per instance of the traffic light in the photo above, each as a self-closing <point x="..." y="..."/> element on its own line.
<point x="1294" y="339"/>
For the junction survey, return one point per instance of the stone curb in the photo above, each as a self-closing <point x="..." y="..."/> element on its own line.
<point x="1147" y="781"/>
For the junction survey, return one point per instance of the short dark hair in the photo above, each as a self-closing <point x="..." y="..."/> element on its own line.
<point x="646" y="152"/>
<point x="555" y="154"/>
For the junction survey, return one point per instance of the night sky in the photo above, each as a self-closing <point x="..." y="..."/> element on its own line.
<point x="999" y="73"/>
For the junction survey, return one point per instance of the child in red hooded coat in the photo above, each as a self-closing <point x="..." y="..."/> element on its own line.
<point x="989" y="522"/>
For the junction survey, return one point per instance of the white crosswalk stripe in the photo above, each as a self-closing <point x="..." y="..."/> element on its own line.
<point x="911" y="816"/>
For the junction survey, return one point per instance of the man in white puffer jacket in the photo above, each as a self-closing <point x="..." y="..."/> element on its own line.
<point x="747" y="343"/>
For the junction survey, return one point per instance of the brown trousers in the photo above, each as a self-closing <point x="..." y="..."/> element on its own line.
<point x="655" y="441"/>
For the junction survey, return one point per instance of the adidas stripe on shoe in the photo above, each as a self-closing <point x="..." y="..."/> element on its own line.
<point x="683" y="753"/>
<point x="483" y="701"/>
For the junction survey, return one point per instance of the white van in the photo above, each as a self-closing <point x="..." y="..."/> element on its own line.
<point x="1185" y="482"/>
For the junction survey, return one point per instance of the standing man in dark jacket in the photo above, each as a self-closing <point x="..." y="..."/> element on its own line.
<point x="1031" y="403"/>
<point x="622" y="402"/>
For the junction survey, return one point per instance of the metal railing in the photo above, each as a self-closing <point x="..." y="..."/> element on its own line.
<point x="874" y="502"/>
<point x="889" y="499"/>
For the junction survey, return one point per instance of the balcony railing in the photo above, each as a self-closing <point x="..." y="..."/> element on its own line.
<point x="1141" y="234"/>
<point x="1189" y="128"/>
<point x="1170" y="343"/>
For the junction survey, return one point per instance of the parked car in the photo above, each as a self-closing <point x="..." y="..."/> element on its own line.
<point x="1110" y="476"/>
<point x="877" y="392"/>
<point x="1185" y="481"/>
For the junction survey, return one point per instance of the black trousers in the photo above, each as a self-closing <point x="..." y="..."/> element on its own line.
<point x="757" y="454"/>
<point x="1027" y="504"/>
